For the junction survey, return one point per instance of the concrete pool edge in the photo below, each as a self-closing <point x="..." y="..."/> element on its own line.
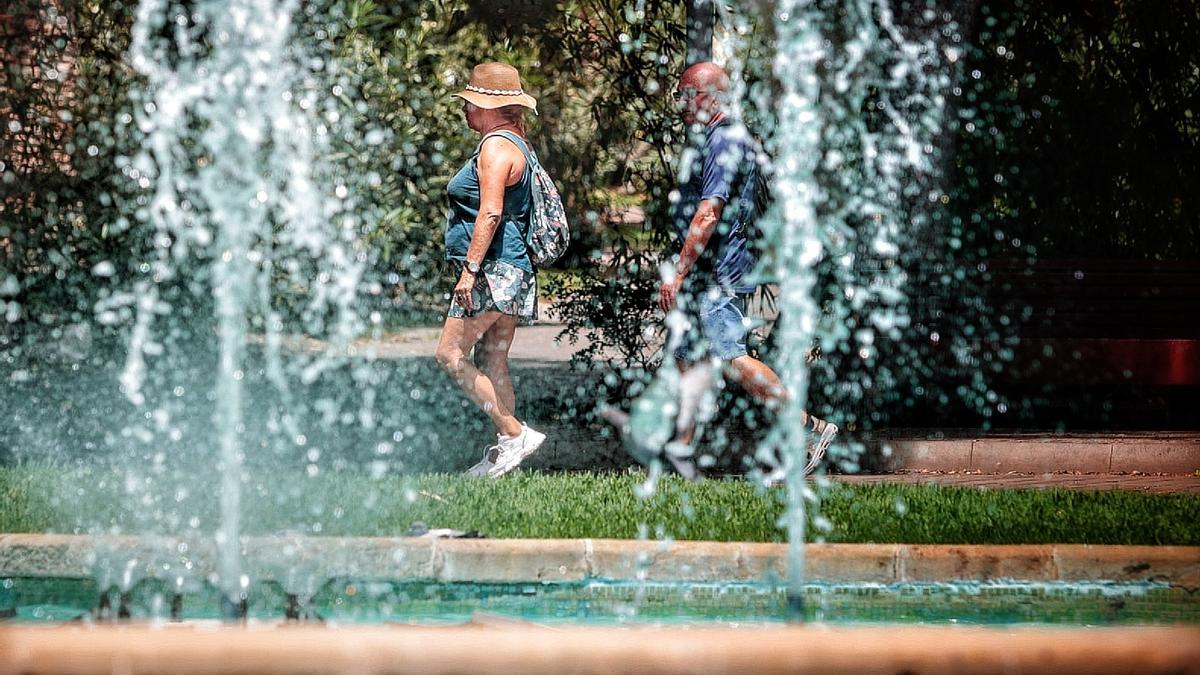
<point x="476" y="649"/>
<point x="568" y="560"/>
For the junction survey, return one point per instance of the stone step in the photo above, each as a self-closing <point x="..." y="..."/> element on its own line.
<point x="1165" y="453"/>
<point x="904" y="450"/>
<point x="306" y="562"/>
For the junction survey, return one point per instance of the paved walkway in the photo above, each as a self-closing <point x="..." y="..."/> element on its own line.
<point x="1090" y="461"/>
<point x="536" y="344"/>
<point x="1160" y="484"/>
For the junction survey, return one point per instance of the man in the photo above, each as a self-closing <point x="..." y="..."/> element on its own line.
<point x="714" y="218"/>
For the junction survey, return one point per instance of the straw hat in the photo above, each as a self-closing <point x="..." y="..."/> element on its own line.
<point x="495" y="85"/>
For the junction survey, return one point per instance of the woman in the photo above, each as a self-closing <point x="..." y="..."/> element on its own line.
<point x="490" y="203"/>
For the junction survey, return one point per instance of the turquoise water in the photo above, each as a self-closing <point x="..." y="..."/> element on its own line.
<point x="374" y="601"/>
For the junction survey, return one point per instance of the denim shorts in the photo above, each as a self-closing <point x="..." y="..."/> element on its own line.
<point x="716" y="326"/>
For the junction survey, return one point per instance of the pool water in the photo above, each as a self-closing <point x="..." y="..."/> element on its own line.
<point x="374" y="601"/>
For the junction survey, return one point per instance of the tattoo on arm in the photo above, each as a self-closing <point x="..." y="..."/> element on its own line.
<point x="494" y="166"/>
<point x="704" y="223"/>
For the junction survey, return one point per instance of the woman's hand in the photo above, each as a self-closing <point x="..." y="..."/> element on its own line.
<point x="462" y="290"/>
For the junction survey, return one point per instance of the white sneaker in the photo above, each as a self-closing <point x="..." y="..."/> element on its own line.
<point x="513" y="451"/>
<point x="489" y="460"/>
<point x="817" y="445"/>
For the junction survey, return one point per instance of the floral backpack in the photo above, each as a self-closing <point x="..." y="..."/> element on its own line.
<point x="549" y="234"/>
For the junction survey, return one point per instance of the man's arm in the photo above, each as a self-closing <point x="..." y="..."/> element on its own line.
<point x="704" y="223"/>
<point x="718" y="173"/>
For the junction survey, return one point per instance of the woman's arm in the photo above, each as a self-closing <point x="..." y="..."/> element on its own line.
<point x="500" y="165"/>
<point x="496" y="166"/>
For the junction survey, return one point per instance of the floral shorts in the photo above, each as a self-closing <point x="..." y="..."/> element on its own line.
<point x="500" y="287"/>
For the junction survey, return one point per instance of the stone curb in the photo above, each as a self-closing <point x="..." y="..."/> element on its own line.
<point x="572" y="447"/>
<point x="1120" y="453"/>
<point x="534" y="649"/>
<point x="304" y="563"/>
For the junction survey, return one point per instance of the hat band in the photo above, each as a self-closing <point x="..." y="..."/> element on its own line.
<point x="495" y="92"/>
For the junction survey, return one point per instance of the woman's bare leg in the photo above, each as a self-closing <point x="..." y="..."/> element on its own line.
<point x="459" y="336"/>
<point x="491" y="357"/>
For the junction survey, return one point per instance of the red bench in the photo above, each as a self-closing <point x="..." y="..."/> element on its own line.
<point x="1100" y="321"/>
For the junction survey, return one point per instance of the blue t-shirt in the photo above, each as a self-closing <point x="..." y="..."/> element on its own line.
<point x="508" y="243"/>
<point x="725" y="167"/>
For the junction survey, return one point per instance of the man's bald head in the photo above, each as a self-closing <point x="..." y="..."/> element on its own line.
<point x="702" y="93"/>
<point x="705" y="77"/>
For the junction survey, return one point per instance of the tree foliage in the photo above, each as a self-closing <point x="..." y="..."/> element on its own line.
<point x="1079" y="130"/>
<point x="62" y="207"/>
<point x="1074" y="133"/>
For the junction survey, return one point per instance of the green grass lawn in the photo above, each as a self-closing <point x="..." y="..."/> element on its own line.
<point x="602" y="506"/>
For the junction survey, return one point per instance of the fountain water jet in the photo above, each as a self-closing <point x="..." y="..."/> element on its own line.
<point x="236" y="127"/>
<point x="844" y="187"/>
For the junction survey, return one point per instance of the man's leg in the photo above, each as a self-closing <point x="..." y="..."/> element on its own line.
<point x="758" y="380"/>
<point x="717" y="330"/>
<point x="695" y="382"/>
<point x="763" y="384"/>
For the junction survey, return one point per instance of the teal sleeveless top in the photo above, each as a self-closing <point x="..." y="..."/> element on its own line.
<point x="508" y="244"/>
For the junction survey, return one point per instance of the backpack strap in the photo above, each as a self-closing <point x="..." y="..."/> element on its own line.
<point x="530" y="162"/>
<point x="516" y="140"/>
<point x="531" y="159"/>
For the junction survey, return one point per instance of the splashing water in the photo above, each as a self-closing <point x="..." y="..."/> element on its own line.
<point x="242" y="211"/>
<point x="241" y="206"/>
<point x="856" y="118"/>
<point x="795" y="235"/>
